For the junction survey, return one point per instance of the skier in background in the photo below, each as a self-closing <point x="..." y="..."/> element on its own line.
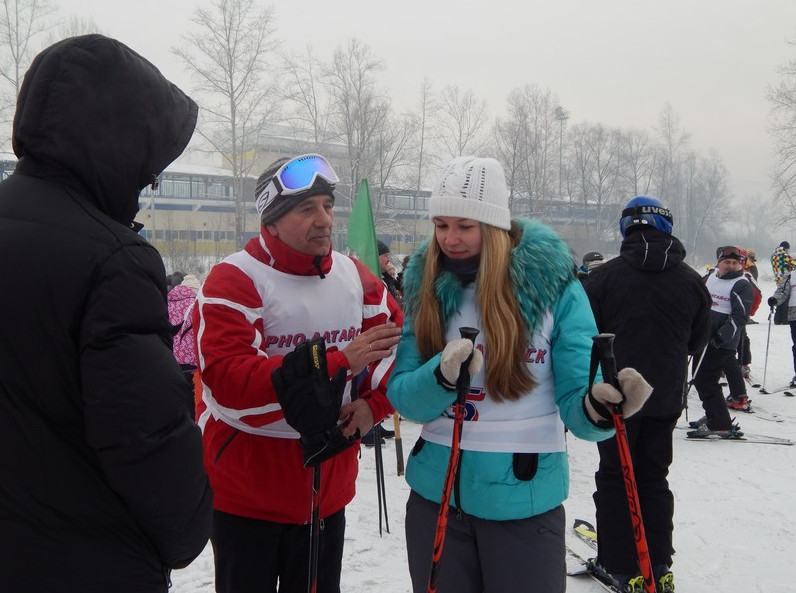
<point x="658" y="307"/>
<point x="732" y="296"/>
<point x="782" y="263"/>
<point x="590" y="261"/>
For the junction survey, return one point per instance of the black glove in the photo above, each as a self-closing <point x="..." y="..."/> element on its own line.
<point x="772" y="301"/>
<point x="311" y="401"/>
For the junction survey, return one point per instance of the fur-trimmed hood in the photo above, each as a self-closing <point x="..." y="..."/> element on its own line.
<point x="541" y="267"/>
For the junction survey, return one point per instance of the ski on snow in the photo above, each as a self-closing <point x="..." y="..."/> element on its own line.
<point x="587" y="567"/>
<point x="777" y="389"/>
<point x="743" y="437"/>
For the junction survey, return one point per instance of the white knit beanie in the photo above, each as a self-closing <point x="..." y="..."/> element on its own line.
<point x="472" y="187"/>
<point x="191" y="281"/>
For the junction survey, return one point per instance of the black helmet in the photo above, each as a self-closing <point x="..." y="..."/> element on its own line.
<point x="592" y="256"/>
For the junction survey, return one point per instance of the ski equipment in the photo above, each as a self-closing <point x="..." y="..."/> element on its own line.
<point x="768" y="341"/>
<point x="381" y="492"/>
<point x="644" y="211"/>
<point x="604" y="344"/>
<point x="462" y="387"/>
<point x="399" y="447"/>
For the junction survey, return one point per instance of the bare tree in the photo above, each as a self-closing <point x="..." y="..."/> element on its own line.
<point x="463" y="120"/>
<point x="422" y="122"/>
<point x="639" y="160"/>
<point x="227" y="56"/>
<point x="390" y="148"/>
<point x="673" y="150"/>
<point x="306" y="96"/>
<point x="22" y="23"/>
<point x="782" y="98"/>
<point x="597" y="152"/>
<point x="707" y="189"/>
<point x="360" y="108"/>
<point x="72" y="26"/>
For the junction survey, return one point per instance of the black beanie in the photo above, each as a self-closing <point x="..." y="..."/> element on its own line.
<point x="785" y="245"/>
<point x="383" y="248"/>
<point x="282" y="205"/>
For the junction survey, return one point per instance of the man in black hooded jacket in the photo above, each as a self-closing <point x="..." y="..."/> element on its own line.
<point x="102" y="486"/>
<point x="659" y="309"/>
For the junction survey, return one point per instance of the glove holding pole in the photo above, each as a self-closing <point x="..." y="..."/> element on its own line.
<point x="640" y="390"/>
<point x="626" y="396"/>
<point x="311" y="401"/>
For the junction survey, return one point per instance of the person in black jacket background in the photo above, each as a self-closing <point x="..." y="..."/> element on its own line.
<point x="102" y="486"/>
<point x="659" y="310"/>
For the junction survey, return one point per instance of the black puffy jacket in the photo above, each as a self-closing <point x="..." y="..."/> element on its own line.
<point x="659" y="309"/>
<point x="101" y="480"/>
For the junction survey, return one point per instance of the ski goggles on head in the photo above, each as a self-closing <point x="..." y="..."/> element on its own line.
<point x="296" y="176"/>
<point x="731" y="252"/>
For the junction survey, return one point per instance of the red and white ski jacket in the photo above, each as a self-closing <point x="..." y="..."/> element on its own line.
<point x="255" y="306"/>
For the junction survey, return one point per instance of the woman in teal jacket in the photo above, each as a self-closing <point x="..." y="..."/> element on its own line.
<point x="515" y="282"/>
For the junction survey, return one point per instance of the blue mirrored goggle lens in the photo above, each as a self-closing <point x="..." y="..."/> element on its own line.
<point x="301" y="173"/>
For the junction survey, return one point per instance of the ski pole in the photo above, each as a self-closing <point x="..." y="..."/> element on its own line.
<point x="768" y="340"/>
<point x="399" y="448"/>
<point x="381" y="492"/>
<point x="315" y="531"/>
<point x="462" y="388"/>
<point x="608" y="365"/>
<point x="690" y="383"/>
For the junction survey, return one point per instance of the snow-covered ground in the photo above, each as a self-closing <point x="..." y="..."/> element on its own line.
<point x="734" y="500"/>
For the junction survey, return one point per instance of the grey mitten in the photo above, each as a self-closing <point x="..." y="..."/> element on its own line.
<point x="453" y="355"/>
<point x="636" y="391"/>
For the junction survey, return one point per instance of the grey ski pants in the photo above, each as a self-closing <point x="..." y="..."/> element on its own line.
<point x="483" y="556"/>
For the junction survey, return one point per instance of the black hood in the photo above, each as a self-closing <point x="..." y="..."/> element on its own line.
<point x="94" y="115"/>
<point x="652" y="250"/>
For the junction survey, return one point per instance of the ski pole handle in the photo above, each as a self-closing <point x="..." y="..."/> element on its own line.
<point x="463" y="382"/>
<point x="605" y="348"/>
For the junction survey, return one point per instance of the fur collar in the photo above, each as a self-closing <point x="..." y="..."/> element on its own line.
<point x="541" y="267"/>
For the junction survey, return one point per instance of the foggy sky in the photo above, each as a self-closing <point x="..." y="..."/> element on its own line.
<point x="614" y="62"/>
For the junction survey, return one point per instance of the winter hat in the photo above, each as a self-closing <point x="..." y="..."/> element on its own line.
<point x="191" y="281"/>
<point x="472" y="187"/>
<point x="785" y="245"/>
<point x="383" y="248"/>
<point x="592" y="256"/>
<point x="281" y="205"/>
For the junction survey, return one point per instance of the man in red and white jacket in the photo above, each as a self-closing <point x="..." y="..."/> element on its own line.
<point x="285" y="287"/>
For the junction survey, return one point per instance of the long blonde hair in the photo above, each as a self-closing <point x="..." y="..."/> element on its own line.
<point x="505" y="331"/>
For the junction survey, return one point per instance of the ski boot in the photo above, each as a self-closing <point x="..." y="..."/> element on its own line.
<point x="664" y="579"/>
<point x="739" y="402"/>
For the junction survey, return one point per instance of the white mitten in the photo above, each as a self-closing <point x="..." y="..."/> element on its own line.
<point x="454" y="354"/>
<point x="636" y="391"/>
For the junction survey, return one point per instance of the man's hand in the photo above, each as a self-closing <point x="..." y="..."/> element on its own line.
<point x="373" y="344"/>
<point x="311" y="401"/>
<point x="358" y="418"/>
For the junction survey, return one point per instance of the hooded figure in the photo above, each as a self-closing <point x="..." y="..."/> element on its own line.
<point x="103" y="487"/>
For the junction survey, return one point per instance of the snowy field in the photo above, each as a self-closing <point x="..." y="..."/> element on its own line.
<point x="733" y="500"/>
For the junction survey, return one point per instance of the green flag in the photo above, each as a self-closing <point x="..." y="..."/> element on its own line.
<point x="362" y="232"/>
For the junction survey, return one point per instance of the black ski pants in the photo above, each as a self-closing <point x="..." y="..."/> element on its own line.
<point x="257" y="556"/>
<point x="650" y="443"/>
<point x="793" y="339"/>
<point x="707" y="385"/>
